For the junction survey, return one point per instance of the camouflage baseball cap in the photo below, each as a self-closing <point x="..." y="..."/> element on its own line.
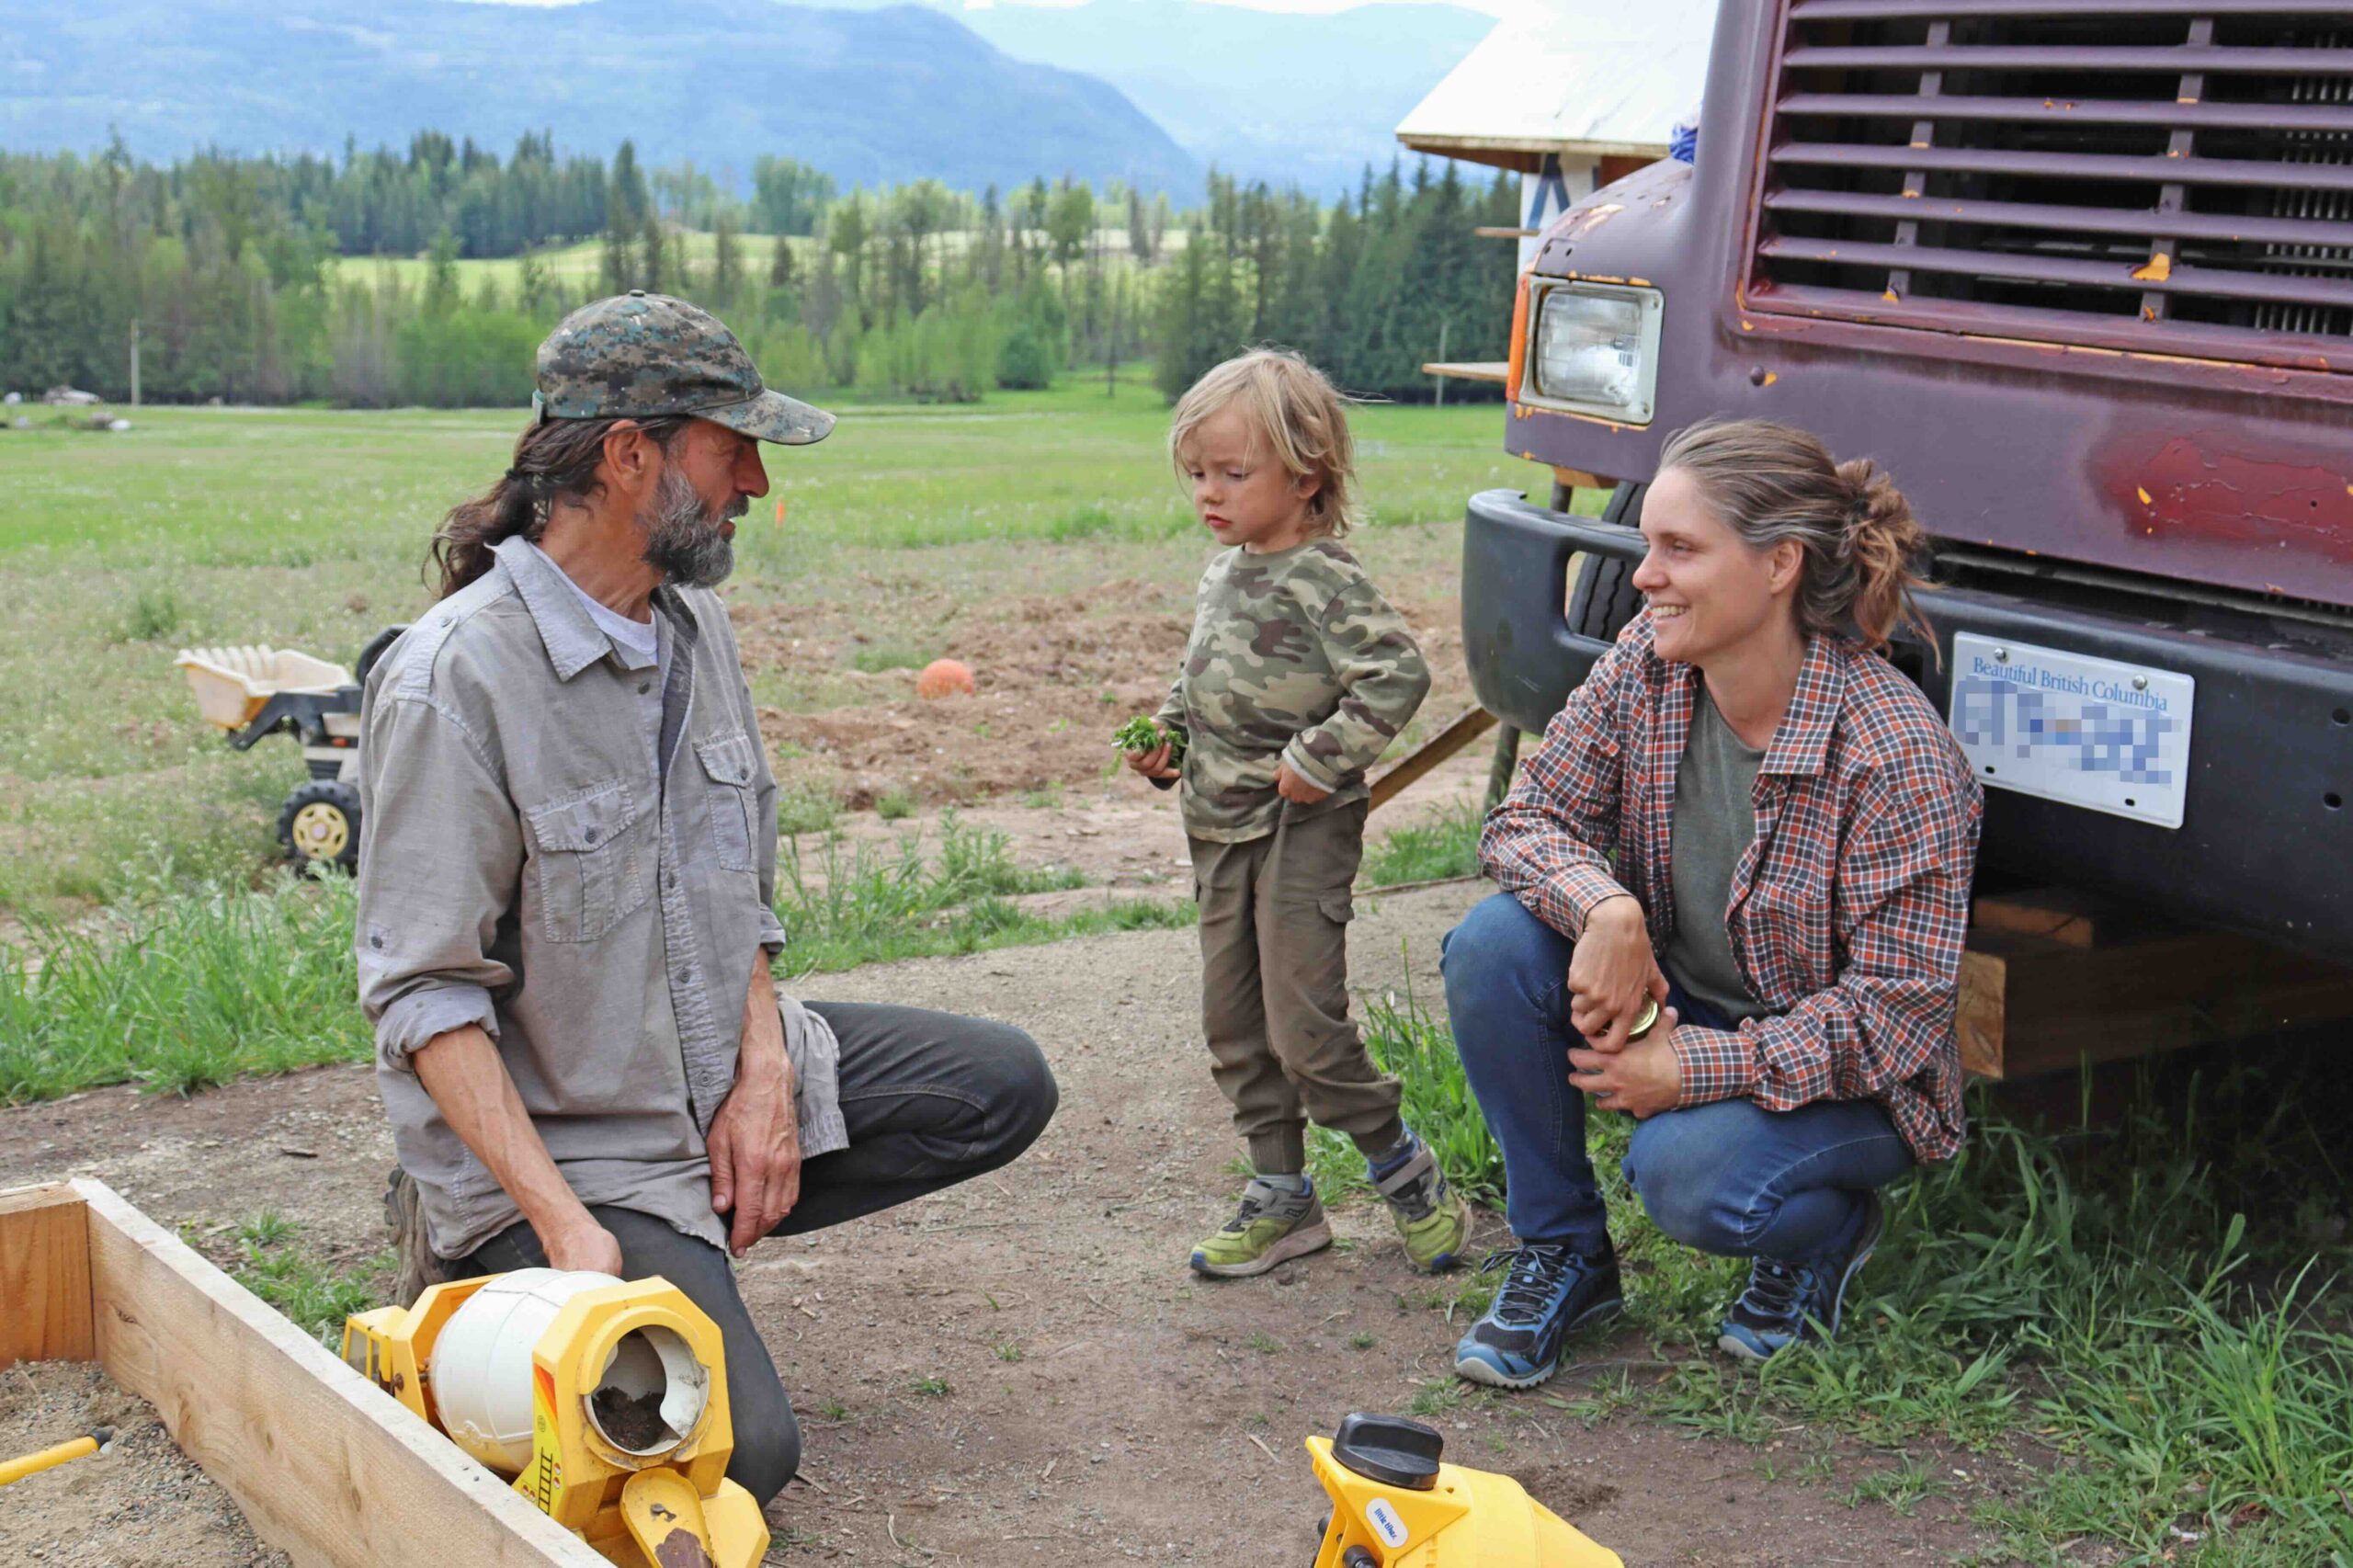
<point x="639" y="354"/>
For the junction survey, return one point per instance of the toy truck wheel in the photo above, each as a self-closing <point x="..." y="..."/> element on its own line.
<point x="1605" y="597"/>
<point x="321" y="822"/>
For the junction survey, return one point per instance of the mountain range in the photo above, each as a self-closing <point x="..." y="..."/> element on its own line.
<point x="1286" y="97"/>
<point x="868" y="95"/>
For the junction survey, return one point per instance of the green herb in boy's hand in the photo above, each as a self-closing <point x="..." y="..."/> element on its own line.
<point x="1144" y="733"/>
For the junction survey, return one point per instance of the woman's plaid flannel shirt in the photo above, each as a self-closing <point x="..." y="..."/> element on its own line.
<point x="1846" y="911"/>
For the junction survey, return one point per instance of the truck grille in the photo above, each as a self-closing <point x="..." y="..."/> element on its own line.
<point x="2170" y="175"/>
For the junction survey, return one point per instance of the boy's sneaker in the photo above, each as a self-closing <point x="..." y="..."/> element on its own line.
<point x="1788" y="1301"/>
<point x="1550" y="1292"/>
<point x="1273" y="1224"/>
<point x="1431" y="1219"/>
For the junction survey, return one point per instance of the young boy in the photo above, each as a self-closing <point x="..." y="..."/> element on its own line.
<point x="1297" y="676"/>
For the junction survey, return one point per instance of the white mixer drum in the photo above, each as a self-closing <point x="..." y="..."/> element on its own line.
<point x="481" y="1371"/>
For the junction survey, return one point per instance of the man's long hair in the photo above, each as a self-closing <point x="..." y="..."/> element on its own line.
<point x="555" y="459"/>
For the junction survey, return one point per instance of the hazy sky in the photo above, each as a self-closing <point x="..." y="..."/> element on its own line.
<point x="1492" y="8"/>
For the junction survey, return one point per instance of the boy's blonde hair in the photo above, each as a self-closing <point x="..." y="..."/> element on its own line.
<point x="1296" y="410"/>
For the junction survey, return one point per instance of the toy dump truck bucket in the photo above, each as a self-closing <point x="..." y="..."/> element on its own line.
<point x="233" y="685"/>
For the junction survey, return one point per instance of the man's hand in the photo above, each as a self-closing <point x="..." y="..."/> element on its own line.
<point x="1153" y="764"/>
<point x="1294" y="788"/>
<point x="755" y="1147"/>
<point x="755" y="1142"/>
<point x="1641" y="1079"/>
<point x="1610" y="973"/>
<point x="582" y="1244"/>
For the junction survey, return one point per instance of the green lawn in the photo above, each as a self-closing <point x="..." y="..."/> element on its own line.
<point x="306" y="527"/>
<point x="582" y="263"/>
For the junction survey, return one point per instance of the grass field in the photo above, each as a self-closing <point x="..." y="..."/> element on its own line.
<point x="574" y="266"/>
<point x="581" y="264"/>
<point x="305" y="528"/>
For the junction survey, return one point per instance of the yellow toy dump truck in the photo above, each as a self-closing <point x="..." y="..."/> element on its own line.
<point x="252" y="691"/>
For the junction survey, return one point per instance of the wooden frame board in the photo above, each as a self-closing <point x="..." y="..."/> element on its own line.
<point x="327" y="1468"/>
<point x="2054" y="978"/>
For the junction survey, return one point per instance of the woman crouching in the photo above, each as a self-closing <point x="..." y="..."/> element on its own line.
<point x="1747" y="826"/>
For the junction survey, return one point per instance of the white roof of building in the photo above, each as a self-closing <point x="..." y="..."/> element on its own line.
<point x="1595" y="76"/>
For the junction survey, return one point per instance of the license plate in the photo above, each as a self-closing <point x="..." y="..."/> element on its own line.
<point x="2093" y="733"/>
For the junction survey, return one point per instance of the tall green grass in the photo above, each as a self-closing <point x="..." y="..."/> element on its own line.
<point x="185" y="986"/>
<point x="1444" y="846"/>
<point x="182" y="991"/>
<point x="1405" y="1042"/>
<point x="868" y="903"/>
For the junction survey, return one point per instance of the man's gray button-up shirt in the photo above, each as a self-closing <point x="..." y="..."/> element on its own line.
<point x="526" y="865"/>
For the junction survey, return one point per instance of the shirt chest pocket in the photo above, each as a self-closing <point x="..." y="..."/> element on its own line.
<point x="729" y="765"/>
<point x="587" y="861"/>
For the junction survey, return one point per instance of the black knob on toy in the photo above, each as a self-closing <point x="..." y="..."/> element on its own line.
<point x="1390" y="1449"/>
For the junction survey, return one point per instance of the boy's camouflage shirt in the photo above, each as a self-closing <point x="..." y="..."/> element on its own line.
<point x="1295" y="657"/>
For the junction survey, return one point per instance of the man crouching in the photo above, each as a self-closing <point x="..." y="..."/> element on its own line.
<point x="566" y="867"/>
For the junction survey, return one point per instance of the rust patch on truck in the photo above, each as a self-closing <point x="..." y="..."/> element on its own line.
<point x="2174" y="487"/>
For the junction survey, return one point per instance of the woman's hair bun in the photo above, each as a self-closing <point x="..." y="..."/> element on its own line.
<point x="1883" y="541"/>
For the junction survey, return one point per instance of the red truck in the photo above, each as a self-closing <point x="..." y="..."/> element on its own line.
<point x="2079" y="273"/>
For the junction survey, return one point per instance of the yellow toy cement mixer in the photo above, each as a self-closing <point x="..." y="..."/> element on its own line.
<point x="607" y="1402"/>
<point x="1395" y="1506"/>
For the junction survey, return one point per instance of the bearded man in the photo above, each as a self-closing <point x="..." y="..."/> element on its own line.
<point x="566" y="868"/>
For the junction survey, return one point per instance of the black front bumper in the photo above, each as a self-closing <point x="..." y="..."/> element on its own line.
<point x="2265" y="843"/>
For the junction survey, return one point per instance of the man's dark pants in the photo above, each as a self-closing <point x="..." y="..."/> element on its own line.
<point x="1728" y="1177"/>
<point x="930" y="1099"/>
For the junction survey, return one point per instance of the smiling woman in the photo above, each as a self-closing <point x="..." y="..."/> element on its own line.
<point x="1841" y="533"/>
<point x="1748" y="819"/>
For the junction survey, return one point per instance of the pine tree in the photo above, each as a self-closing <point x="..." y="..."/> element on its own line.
<point x="726" y="259"/>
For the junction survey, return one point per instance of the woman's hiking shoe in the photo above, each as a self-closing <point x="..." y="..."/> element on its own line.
<point x="1432" y="1219"/>
<point x="1550" y="1292"/>
<point x="1788" y="1301"/>
<point x="1273" y="1224"/>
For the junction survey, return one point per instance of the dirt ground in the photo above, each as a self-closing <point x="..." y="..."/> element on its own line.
<point x="140" y="1503"/>
<point x="1021" y="1370"/>
<point x="1054" y="675"/>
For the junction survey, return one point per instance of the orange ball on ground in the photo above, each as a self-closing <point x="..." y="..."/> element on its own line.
<point x="944" y="677"/>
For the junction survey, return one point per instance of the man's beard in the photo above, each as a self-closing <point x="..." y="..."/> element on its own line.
<point x="684" y="540"/>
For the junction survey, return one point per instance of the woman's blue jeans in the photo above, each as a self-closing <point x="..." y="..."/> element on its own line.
<point x="1727" y="1178"/>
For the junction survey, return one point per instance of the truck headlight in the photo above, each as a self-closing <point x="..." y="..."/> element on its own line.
<point x="1594" y="349"/>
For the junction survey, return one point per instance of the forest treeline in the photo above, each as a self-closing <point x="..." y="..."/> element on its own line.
<point x="261" y="279"/>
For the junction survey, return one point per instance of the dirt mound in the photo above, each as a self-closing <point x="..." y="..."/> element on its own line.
<point x="1054" y="674"/>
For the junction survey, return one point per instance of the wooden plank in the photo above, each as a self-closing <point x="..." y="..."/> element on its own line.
<point x="44" y="1276"/>
<point x="1979" y="1018"/>
<point x="1468" y="727"/>
<point x="2034" y="1003"/>
<point x="1499" y="232"/>
<point x="2069" y="917"/>
<point x="326" y="1467"/>
<point x="1496" y="370"/>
